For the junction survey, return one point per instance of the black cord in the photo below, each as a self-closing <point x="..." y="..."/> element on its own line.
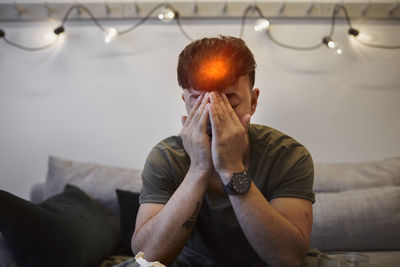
<point x="22" y="47"/>
<point x="252" y="8"/>
<point x="244" y="16"/>
<point x="39" y="48"/>
<point x="340" y="6"/>
<point x="87" y="10"/>
<point x="378" y="45"/>
<point x="336" y="10"/>
<point x="298" y="48"/>
<point x="260" y="14"/>
<point x="143" y="20"/>
<point x="178" y="22"/>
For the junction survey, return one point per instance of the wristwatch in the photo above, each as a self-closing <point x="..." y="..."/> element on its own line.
<point x="239" y="184"/>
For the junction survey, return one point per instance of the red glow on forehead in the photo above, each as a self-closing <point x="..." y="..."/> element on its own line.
<point x="213" y="69"/>
<point x="211" y="73"/>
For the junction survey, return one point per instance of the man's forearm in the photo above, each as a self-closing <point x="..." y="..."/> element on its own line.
<point x="276" y="240"/>
<point x="163" y="236"/>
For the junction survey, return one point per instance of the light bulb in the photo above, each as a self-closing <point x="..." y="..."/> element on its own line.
<point x="339" y="51"/>
<point x="261" y="25"/>
<point x="333" y="45"/>
<point x="167" y="15"/>
<point x="49" y="37"/>
<point x="364" y="37"/>
<point x="110" y="34"/>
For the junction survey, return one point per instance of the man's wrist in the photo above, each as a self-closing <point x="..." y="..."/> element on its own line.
<point x="226" y="175"/>
<point x="200" y="174"/>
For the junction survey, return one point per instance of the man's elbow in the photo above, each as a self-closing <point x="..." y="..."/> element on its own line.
<point x="134" y="247"/>
<point x="151" y="254"/>
<point x="287" y="262"/>
<point x="289" y="258"/>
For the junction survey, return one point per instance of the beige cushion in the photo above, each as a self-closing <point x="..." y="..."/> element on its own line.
<point x="98" y="181"/>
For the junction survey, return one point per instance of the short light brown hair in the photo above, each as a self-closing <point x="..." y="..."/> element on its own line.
<point x="232" y="51"/>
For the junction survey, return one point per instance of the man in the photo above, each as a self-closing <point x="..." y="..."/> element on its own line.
<point x="235" y="194"/>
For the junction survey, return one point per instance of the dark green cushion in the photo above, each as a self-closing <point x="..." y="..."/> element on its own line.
<point x="128" y="205"/>
<point x="68" y="230"/>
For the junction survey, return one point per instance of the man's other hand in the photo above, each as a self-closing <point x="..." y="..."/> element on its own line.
<point x="194" y="135"/>
<point x="229" y="142"/>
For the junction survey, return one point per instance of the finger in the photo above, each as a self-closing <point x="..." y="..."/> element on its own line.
<point x="204" y="119"/>
<point x="215" y="102"/>
<point x="201" y="108"/>
<point x="229" y="109"/>
<point x="195" y="107"/>
<point x="214" y="120"/>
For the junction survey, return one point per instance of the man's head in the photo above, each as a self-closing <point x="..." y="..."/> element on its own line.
<point x="223" y="64"/>
<point x="212" y="64"/>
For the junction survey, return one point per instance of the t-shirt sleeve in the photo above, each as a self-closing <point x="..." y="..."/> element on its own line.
<point x="158" y="183"/>
<point x="297" y="181"/>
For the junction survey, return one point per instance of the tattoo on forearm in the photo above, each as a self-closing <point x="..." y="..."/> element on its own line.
<point x="189" y="223"/>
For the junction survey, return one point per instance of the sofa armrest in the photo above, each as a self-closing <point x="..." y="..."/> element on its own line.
<point x="37" y="194"/>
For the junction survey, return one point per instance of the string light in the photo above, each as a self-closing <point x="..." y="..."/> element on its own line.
<point x="263" y="24"/>
<point x="255" y="8"/>
<point x="167" y="14"/>
<point x="364" y="37"/>
<point x="359" y="36"/>
<point x="110" y="34"/>
<point x="332" y="45"/>
<point x="353" y="32"/>
<point x="59" y="30"/>
<point x="338" y="50"/>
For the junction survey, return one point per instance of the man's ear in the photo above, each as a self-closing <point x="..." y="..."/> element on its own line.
<point x="183" y="97"/>
<point x="254" y="100"/>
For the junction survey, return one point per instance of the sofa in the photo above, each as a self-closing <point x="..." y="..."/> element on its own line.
<point x="357" y="209"/>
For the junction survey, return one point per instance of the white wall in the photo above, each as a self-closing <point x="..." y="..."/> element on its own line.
<point x="110" y="103"/>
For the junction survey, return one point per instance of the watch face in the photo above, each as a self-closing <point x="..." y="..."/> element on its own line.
<point x="241" y="182"/>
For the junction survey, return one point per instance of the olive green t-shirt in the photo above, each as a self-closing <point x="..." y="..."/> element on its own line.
<point x="279" y="167"/>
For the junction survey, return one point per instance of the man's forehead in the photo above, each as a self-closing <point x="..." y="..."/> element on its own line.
<point x="230" y="91"/>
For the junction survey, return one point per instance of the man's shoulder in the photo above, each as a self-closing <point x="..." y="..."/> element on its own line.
<point x="168" y="148"/>
<point x="269" y="143"/>
<point x="266" y="135"/>
<point x="173" y="142"/>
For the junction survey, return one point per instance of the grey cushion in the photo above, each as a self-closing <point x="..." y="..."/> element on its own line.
<point x="383" y="258"/>
<point x="98" y="181"/>
<point x="358" y="220"/>
<point x="337" y="177"/>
